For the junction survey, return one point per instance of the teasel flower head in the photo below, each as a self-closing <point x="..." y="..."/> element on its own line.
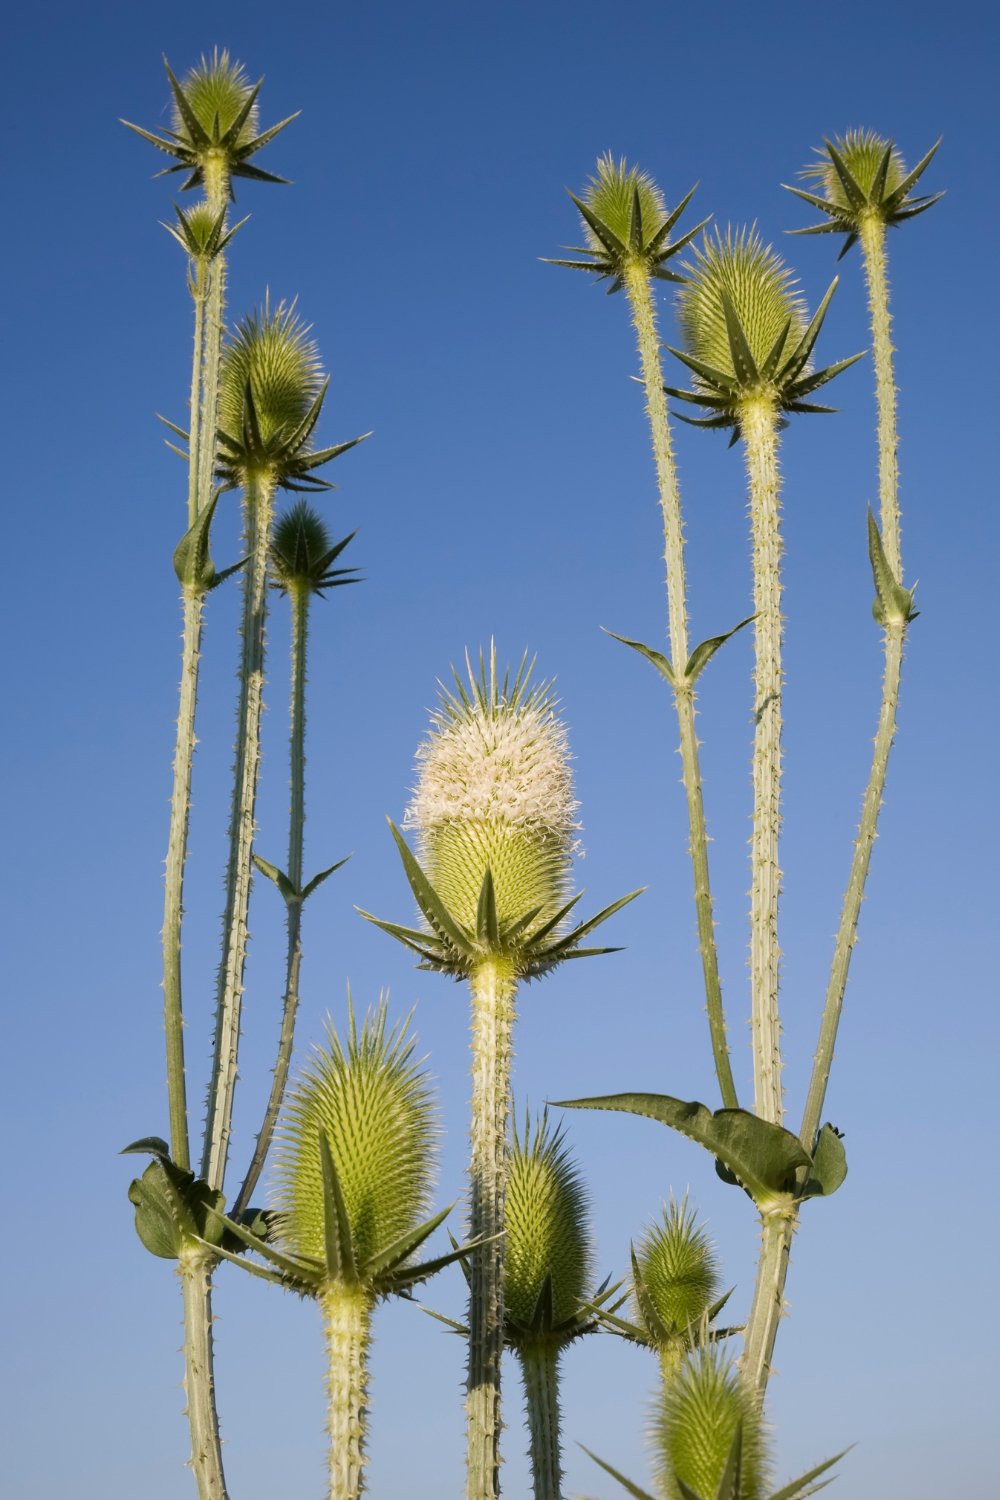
<point x="675" y="1276"/>
<point x="495" y="819"/>
<point x="215" y="124"/>
<point x="861" y="176"/>
<point x="626" y="225"/>
<point x="271" y="393"/>
<point x="302" y="553"/>
<point x="746" y="331"/>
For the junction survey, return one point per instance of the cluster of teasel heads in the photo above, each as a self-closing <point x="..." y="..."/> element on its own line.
<point x="495" y="826"/>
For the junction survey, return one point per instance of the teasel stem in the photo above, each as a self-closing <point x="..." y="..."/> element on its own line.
<point x="194" y="1268"/>
<point x="493" y="986"/>
<point x="637" y="287"/>
<point x="872" y="237"/>
<point x="347" y="1314"/>
<point x="540" y="1369"/>
<point x="258" y="505"/>
<point x="759" y="426"/>
<point x="299" y="595"/>
<point x="216" y="179"/>
<point x="777" y="1232"/>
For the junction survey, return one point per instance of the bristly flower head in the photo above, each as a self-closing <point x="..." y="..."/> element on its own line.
<point x="301" y="552"/>
<point x="675" y="1275"/>
<point x="862" y="177"/>
<point x="704" y="1410"/>
<point x="746" y="331"/>
<point x="625" y="223"/>
<point x="214" y="123"/>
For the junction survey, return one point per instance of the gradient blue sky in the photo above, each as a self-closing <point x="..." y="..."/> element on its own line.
<point x="507" y="491"/>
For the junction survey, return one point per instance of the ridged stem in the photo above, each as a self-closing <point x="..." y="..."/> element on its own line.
<point x="194" y="1267"/>
<point x="493" y="988"/>
<point x="216" y="178"/>
<point x="540" y="1370"/>
<point x="639" y="293"/>
<point x="299" y="596"/>
<point x="872" y="236"/>
<point x="347" y="1318"/>
<point x="759" y="423"/>
<point x="777" y="1232"/>
<point x="258" y="504"/>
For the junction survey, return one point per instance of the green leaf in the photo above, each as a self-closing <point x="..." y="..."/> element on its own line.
<point x="793" y="1490"/>
<point x="409" y="1275"/>
<point x="763" y="1158"/>
<point x="702" y="655"/>
<point x="487" y="921"/>
<point x="300" y="1272"/>
<point x="627" y="1485"/>
<point x="854" y="194"/>
<point x="429" y="901"/>
<point x="279" y="878"/>
<point x="340" y="1261"/>
<point x="147" y="1145"/>
<point x="829" y="1165"/>
<point x="572" y="939"/>
<point x="800" y="354"/>
<point x="192" y="559"/>
<point x="893" y="604"/>
<point x="614" y="246"/>
<point x="896" y="200"/>
<point x="318" y="880"/>
<point x="390" y="1257"/>
<point x="660" y="662"/>
<point x="718" y="379"/>
<point x="657" y="1329"/>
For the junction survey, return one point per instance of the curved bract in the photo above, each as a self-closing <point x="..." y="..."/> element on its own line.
<point x="302" y="553"/>
<point x="861" y="177"/>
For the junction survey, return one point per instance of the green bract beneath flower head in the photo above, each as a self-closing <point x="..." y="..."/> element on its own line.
<point x="610" y="195"/>
<point x="702" y="1409"/>
<point x="494" y="792"/>
<point x="547" y="1263"/>
<point x="679" y="1271"/>
<point x="863" y="181"/>
<point x="863" y="153"/>
<point x="269" y="386"/>
<point x="216" y="92"/>
<point x="302" y="552"/>
<point x="373" y="1105"/>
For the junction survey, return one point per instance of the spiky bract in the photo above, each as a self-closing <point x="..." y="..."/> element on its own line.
<point x="216" y="91"/>
<point x="549" y="1255"/>
<point x="700" y="1414"/>
<point x="270" y="379"/>
<point x="373" y="1105"/>
<point x="861" y="176"/>
<point x="301" y="552"/>
<point x="495" y="793"/>
<point x="626" y="225"/>
<point x="678" y="1270"/>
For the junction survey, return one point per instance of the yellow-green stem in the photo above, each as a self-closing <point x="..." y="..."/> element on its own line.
<point x="216" y="177"/>
<point x="768" y="1307"/>
<point x="759" y="423"/>
<point x="872" y="236"/>
<point x="194" y="1267"/>
<point x="493" y="988"/>
<point x="258" y="507"/>
<point x="299" y="595"/>
<point x="347" y="1314"/>
<point x="540" y="1370"/>
<point x="637" y="286"/>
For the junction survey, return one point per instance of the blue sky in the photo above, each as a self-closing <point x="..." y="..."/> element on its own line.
<point x="507" y="491"/>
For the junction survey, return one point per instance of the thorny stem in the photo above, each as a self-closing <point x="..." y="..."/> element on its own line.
<point x="872" y="236"/>
<point x="777" y="1231"/>
<point x="644" y="321"/>
<point x="347" y="1314"/>
<point x="540" y="1369"/>
<point x="299" y="596"/>
<point x="493" y="988"/>
<point x="258" y="504"/>
<point x="194" y="1267"/>
<point x="758" y="420"/>
<point x="216" y="175"/>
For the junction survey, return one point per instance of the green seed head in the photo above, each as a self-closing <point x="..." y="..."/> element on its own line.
<point x="374" y="1105"/>
<point x="761" y="291"/>
<point x="547" y="1228"/>
<point x="302" y="553"/>
<point x="679" y="1271"/>
<point x="861" y="179"/>
<point x="862" y="152"/>
<point x="698" y="1418"/>
<point x="216" y="92"/>
<point x="270" y="383"/>
<point x="494" y="791"/>
<point x="610" y="194"/>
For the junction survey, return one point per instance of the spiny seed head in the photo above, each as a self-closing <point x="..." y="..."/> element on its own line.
<point x="610" y="193"/>
<point x="700" y="1411"/>
<point x="761" y="289"/>
<point x="300" y="543"/>
<point x="374" y="1105"/>
<point x="679" y="1270"/>
<point x="271" y="357"/>
<point x="862" y="152"/>
<point x="494" y="791"/>
<point x="861" y="180"/>
<point x="216" y="91"/>
<point x="547" y="1227"/>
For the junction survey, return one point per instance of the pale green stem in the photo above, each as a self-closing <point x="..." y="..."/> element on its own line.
<point x="347" y="1314"/>
<point x="258" y="507"/>
<point x="777" y="1231"/>
<point x="758" y="421"/>
<point x="671" y="1355"/>
<point x="540" y="1370"/>
<point x="199" y="273"/>
<point x="216" y="177"/>
<point x="194" y="1267"/>
<point x="644" y="320"/>
<point x="493" y="989"/>
<point x="872" y="236"/>
<point x="299" y="595"/>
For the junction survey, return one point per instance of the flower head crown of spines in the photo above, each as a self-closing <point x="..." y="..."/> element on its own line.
<point x="862" y="176"/>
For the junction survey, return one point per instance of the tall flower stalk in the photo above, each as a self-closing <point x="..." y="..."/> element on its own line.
<point x="495" y="817"/>
<point x="627" y="229"/>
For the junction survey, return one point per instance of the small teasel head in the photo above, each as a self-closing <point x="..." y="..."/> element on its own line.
<point x="302" y="553"/>
<point x="703" y="1411"/>
<point x="626" y="225"/>
<point x="861" y="177"/>
<point x="746" y="331"/>
<point x="675" y="1276"/>
<point x="549" y="1254"/>
<point x="366" y="1107"/>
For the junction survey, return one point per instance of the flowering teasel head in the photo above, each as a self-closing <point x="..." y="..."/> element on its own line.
<point x="215" y="124"/>
<point x="861" y="177"/>
<point x="302" y="553"/>
<point x="626" y="225"/>
<point x="747" y="335"/>
<point x="495" y="820"/>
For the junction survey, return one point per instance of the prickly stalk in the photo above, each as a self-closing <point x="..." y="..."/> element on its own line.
<point x="194" y="1267"/>
<point x="347" y="1317"/>
<point x="540" y="1368"/>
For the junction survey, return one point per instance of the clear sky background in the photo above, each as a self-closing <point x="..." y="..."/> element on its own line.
<point x="507" y="491"/>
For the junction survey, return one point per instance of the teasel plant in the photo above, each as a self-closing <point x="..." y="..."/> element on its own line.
<point x="302" y="558"/>
<point x="710" y="1440"/>
<point x="628" y="230"/>
<point x="354" y="1171"/>
<point x="494" y="814"/>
